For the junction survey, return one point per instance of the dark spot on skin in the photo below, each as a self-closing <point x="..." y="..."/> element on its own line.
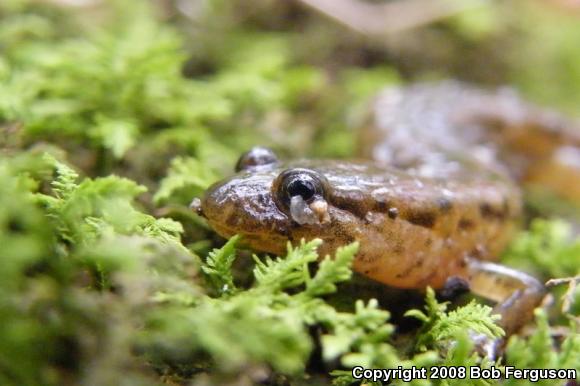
<point x="428" y="242"/>
<point x="381" y="206"/>
<point x="475" y="253"/>
<point x="262" y="200"/>
<point x="487" y="211"/>
<point x="343" y="234"/>
<point x="393" y="213"/>
<point x="398" y="248"/>
<point x="417" y="265"/>
<point x="444" y="204"/>
<point x="422" y="218"/>
<point x="465" y="224"/>
<point x="232" y="221"/>
<point x="408" y="271"/>
<point x="397" y="245"/>
<point x="349" y="239"/>
<point x="366" y="258"/>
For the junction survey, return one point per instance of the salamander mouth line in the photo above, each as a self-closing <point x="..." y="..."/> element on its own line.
<point x="223" y="228"/>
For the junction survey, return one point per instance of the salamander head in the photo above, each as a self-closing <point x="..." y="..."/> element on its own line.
<point x="270" y="203"/>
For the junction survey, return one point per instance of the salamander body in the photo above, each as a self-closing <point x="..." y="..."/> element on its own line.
<point x="434" y="198"/>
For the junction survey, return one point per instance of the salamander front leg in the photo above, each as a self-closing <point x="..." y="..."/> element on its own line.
<point x="516" y="294"/>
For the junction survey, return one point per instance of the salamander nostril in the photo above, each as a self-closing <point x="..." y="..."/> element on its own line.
<point x="196" y="206"/>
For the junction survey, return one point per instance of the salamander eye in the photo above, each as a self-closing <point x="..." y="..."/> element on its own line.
<point x="303" y="187"/>
<point x="298" y="182"/>
<point x="256" y="156"/>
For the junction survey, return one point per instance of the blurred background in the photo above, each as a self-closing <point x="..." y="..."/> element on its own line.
<point x="124" y="79"/>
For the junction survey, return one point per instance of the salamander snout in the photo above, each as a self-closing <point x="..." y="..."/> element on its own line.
<point x="195" y="205"/>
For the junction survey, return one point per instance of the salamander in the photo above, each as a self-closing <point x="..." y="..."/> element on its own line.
<point x="433" y="199"/>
